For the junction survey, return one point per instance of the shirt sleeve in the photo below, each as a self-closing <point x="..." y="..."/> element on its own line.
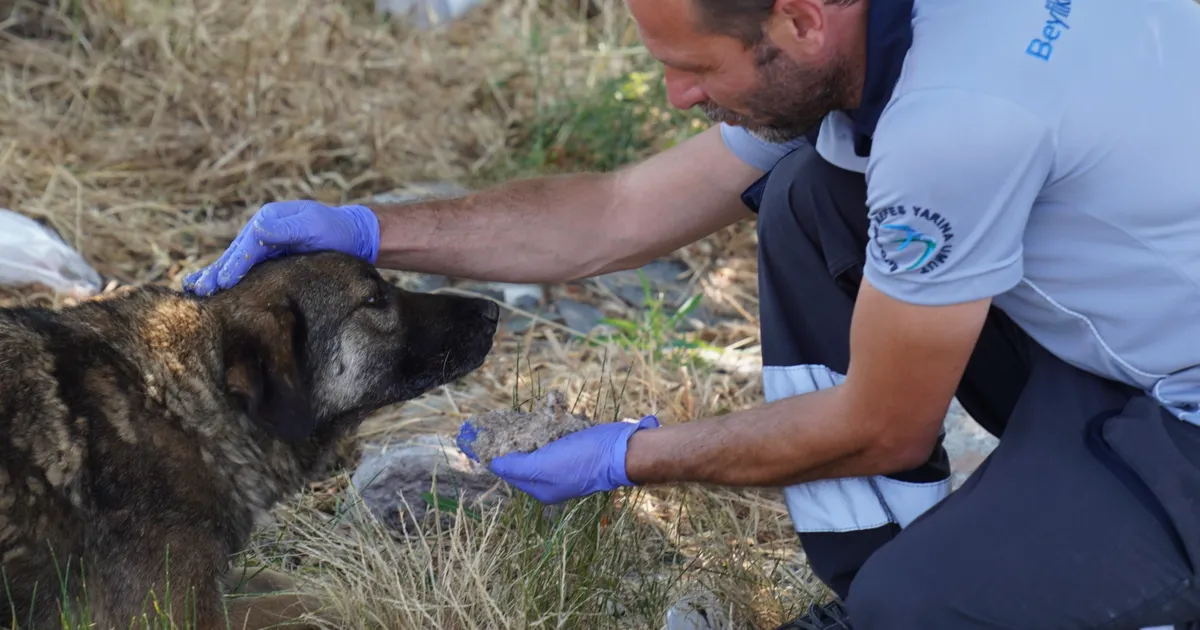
<point x="952" y="177"/>
<point x="755" y="151"/>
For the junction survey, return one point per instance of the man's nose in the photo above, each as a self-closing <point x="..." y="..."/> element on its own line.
<point x="683" y="91"/>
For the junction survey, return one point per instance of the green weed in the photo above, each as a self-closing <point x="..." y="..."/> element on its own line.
<point x="657" y="332"/>
<point x="623" y="120"/>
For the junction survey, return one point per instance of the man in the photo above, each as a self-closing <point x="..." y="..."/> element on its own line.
<point x="993" y="199"/>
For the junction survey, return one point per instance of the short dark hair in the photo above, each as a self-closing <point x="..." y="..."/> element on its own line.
<point x="742" y="19"/>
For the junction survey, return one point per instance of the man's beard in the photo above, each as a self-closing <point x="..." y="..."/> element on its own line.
<point x="789" y="99"/>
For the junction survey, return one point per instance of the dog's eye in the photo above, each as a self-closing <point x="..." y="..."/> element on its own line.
<point x="377" y="299"/>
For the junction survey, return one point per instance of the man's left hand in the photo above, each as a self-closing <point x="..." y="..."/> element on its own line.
<point x="575" y="465"/>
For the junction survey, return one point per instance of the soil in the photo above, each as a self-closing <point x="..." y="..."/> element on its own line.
<point x="502" y="432"/>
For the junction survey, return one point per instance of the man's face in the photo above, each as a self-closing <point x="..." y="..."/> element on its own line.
<point x="773" y="94"/>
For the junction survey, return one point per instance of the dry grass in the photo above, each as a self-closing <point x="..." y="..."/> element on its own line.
<point x="147" y="131"/>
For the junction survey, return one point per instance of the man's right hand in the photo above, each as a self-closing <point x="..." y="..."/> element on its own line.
<point x="550" y="229"/>
<point x="290" y="227"/>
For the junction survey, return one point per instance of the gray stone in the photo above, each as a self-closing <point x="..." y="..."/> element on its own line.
<point x="580" y="317"/>
<point x="523" y="296"/>
<point x="491" y="290"/>
<point x="519" y="323"/>
<point x="426" y="283"/>
<point x="391" y="479"/>
<point x="664" y="277"/>
<point x="412" y="281"/>
<point x="524" y="302"/>
<point x="665" y="271"/>
<point x="704" y="317"/>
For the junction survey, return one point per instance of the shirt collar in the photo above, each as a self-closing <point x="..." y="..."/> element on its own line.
<point x="889" y="36"/>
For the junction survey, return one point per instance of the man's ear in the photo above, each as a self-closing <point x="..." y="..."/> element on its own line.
<point x="263" y="372"/>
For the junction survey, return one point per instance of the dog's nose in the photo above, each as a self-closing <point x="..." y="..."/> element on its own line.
<point x="491" y="311"/>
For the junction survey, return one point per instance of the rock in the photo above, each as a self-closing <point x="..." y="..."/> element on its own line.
<point x="490" y="290"/>
<point x="412" y="281"/>
<point x="580" y="317"/>
<point x="391" y="480"/>
<point x="663" y="276"/>
<point x="703" y="317"/>
<point x="524" y="302"/>
<point x="665" y="271"/>
<point x="523" y="296"/>
<point x="427" y="283"/>
<point x="432" y="282"/>
<point x="519" y="323"/>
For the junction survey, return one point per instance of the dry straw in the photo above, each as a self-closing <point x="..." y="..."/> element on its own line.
<point x="153" y="127"/>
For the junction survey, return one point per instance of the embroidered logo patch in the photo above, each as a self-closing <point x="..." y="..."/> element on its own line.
<point x="910" y="238"/>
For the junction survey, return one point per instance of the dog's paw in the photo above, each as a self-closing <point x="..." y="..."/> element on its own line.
<point x="243" y="580"/>
<point x="280" y="612"/>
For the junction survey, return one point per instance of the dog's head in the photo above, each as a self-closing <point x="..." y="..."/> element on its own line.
<point x="315" y="342"/>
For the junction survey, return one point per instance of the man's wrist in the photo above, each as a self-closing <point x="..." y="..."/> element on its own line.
<point x="633" y="448"/>
<point x="622" y="475"/>
<point x="639" y="460"/>
<point x="366" y="225"/>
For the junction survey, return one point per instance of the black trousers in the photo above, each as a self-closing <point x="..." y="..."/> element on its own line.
<point x="1087" y="514"/>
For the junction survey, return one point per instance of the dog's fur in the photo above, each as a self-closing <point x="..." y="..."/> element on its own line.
<point x="149" y="432"/>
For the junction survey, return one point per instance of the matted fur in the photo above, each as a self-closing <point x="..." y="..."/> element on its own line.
<point x="151" y="431"/>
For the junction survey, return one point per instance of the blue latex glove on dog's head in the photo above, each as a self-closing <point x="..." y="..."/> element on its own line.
<point x="290" y="227"/>
<point x="575" y="465"/>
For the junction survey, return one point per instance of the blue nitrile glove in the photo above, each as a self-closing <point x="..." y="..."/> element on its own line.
<point x="290" y="227"/>
<point x="575" y="465"/>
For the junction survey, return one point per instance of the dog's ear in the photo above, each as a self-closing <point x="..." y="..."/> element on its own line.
<point x="263" y="371"/>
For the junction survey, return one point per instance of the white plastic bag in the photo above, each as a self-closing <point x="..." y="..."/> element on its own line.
<point x="425" y="14"/>
<point x="699" y="610"/>
<point x="29" y="253"/>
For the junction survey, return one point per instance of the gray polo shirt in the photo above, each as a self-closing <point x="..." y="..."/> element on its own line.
<point x="1045" y="154"/>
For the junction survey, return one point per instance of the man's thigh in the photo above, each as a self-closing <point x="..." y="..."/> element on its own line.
<point x="1081" y="518"/>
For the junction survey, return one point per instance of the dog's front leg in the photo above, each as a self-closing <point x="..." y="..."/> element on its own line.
<point x="244" y="580"/>
<point x="279" y="611"/>
<point x="261" y="597"/>
<point x="125" y="603"/>
<point x="193" y="600"/>
<point x="153" y="573"/>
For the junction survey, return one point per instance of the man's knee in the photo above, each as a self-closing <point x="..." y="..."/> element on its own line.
<point x="888" y="593"/>
<point x="808" y="202"/>
<point x="804" y="185"/>
<point x="792" y="178"/>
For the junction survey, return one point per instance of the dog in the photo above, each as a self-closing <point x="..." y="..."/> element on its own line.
<point x="148" y="432"/>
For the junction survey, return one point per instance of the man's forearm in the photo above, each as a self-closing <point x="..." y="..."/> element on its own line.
<point x="545" y="229"/>
<point x="793" y="440"/>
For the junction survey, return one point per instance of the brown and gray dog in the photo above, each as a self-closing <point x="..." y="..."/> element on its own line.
<point x="148" y="433"/>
